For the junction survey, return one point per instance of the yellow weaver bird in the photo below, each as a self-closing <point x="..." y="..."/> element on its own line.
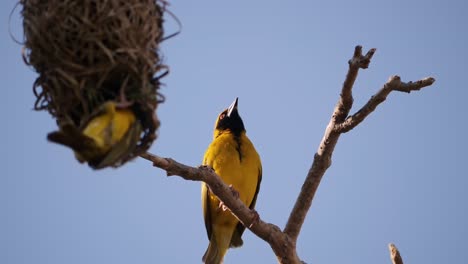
<point x="233" y="157"/>
<point x="110" y="135"/>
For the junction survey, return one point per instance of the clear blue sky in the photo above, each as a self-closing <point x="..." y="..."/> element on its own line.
<point x="399" y="177"/>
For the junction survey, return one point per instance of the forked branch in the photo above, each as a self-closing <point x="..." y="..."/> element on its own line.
<point x="339" y="123"/>
<point x="393" y="84"/>
<point x="283" y="242"/>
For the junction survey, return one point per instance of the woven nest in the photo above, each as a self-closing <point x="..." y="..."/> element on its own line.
<point x="88" y="52"/>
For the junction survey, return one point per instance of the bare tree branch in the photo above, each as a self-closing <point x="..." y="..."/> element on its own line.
<point x="395" y="254"/>
<point x="358" y="61"/>
<point x="393" y="84"/>
<point x="284" y="243"/>
<point x="322" y="159"/>
<point x="283" y="247"/>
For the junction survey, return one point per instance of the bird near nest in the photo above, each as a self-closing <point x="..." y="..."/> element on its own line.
<point x="233" y="157"/>
<point x="111" y="133"/>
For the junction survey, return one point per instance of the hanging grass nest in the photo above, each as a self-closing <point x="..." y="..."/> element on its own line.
<point x="89" y="52"/>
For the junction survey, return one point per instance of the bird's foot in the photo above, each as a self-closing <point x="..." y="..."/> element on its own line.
<point x="222" y="206"/>
<point x="235" y="193"/>
<point x="255" y="218"/>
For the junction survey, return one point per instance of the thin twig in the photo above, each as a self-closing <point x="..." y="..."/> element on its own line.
<point x="393" y="84"/>
<point x="395" y="254"/>
<point x="358" y="61"/>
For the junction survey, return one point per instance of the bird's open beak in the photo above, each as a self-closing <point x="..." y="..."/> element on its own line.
<point x="232" y="107"/>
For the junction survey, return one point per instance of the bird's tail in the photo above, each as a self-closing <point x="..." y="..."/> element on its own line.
<point x="71" y="137"/>
<point x="215" y="252"/>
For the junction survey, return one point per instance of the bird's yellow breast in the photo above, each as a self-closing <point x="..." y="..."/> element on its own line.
<point x="109" y="128"/>
<point x="237" y="162"/>
<point x="123" y="119"/>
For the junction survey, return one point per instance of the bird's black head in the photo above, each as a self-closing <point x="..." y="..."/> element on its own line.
<point x="230" y="120"/>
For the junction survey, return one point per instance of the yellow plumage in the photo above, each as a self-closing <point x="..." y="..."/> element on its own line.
<point x="234" y="158"/>
<point x="110" y="135"/>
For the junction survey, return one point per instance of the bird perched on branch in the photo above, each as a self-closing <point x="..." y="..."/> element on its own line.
<point x="233" y="157"/>
<point x="111" y="134"/>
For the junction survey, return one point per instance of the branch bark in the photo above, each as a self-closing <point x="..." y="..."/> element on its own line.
<point x="393" y="84"/>
<point x="395" y="254"/>
<point x="283" y="242"/>
<point x="279" y="242"/>
<point x="322" y="159"/>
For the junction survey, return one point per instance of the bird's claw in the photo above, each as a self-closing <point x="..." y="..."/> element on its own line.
<point x="234" y="192"/>
<point x="222" y="206"/>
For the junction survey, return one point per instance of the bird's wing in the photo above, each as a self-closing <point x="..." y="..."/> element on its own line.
<point x="236" y="240"/>
<point x="205" y="193"/>
<point x="72" y="137"/>
<point x="122" y="148"/>
<point x="206" y="209"/>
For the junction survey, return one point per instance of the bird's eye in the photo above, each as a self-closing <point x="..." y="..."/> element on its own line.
<point x="222" y="116"/>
